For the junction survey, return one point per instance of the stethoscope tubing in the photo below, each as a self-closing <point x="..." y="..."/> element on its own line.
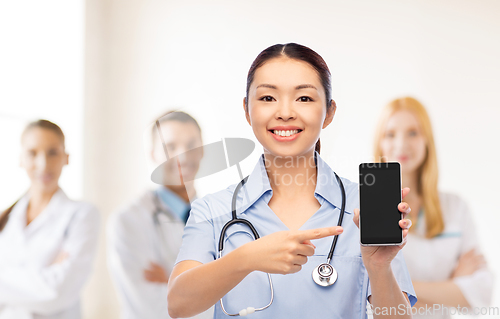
<point x="341" y="217"/>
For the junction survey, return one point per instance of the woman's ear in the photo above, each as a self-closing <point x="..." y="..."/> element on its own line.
<point x="245" y="107"/>
<point x="330" y="112"/>
<point x="66" y="160"/>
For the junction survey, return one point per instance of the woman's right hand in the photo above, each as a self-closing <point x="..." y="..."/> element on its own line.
<point x="285" y="252"/>
<point x="468" y="263"/>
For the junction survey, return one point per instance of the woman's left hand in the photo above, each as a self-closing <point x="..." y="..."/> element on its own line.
<point x="381" y="256"/>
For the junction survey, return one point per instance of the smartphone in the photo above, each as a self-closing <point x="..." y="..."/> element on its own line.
<point x="379" y="196"/>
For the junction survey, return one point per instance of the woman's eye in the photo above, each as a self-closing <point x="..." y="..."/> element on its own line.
<point x="412" y="133"/>
<point x="389" y="135"/>
<point x="267" y="98"/>
<point x="305" y="99"/>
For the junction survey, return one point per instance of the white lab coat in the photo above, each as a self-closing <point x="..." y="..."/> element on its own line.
<point x="435" y="259"/>
<point x="31" y="286"/>
<point x="133" y="242"/>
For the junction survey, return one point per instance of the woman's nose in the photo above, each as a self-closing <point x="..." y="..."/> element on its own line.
<point x="285" y="110"/>
<point x="401" y="142"/>
<point x="41" y="161"/>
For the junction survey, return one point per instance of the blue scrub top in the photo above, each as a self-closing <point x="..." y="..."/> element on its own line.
<point x="295" y="295"/>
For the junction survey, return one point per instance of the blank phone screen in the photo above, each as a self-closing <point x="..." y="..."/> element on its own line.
<point x="379" y="196"/>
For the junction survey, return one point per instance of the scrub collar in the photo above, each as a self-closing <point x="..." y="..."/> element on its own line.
<point x="327" y="186"/>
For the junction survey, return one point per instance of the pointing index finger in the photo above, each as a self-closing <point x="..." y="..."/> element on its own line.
<point x="318" y="233"/>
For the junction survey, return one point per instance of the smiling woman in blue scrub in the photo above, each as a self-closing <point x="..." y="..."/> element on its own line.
<point x="294" y="200"/>
<point x="47" y="241"/>
<point x="443" y="253"/>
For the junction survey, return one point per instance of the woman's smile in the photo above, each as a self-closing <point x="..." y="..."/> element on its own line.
<point x="285" y="133"/>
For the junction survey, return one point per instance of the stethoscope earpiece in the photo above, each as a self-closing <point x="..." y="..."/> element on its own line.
<point x="247" y="311"/>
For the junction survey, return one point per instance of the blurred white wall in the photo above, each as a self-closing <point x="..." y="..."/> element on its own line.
<point x="41" y="76"/>
<point x="144" y="56"/>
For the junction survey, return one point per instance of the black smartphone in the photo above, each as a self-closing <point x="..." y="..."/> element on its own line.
<point x="379" y="196"/>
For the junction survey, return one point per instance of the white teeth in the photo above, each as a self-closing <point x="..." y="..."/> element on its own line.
<point x="285" y="133"/>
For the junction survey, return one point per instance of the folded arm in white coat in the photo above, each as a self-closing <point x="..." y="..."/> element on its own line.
<point x="474" y="290"/>
<point x="477" y="288"/>
<point x="129" y="254"/>
<point x="57" y="286"/>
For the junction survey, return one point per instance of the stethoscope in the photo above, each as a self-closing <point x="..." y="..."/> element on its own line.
<point x="159" y="209"/>
<point x="324" y="274"/>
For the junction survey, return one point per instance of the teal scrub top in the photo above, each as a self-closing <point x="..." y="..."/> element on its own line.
<point x="176" y="204"/>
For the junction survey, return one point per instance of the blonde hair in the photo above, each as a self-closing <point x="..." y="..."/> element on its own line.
<point x="427" y="182"/>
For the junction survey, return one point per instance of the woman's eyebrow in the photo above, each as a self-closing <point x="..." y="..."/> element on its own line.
<point x="305" y="86"/>
<point x="298" y="87"/>
<point x="267" y="86"/>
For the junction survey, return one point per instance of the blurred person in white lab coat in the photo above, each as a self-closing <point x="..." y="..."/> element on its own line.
<point x="145" y="236"/>
<point x="442" y="254"/>
<point x="47" y="241"/>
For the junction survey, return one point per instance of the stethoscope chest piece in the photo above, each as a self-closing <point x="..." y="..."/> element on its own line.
<point x="324" y="275"/>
